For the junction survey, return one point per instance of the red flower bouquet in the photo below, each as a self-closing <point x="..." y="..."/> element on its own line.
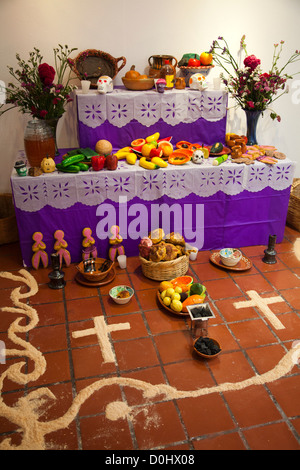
<point x="36" y="93"/>
<point x="251" y="88"/>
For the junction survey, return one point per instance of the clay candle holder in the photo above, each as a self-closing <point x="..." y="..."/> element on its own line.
<point x="270" y="253"/>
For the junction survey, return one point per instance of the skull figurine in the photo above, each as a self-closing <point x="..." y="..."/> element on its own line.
<point x="197" y="81"/>
<point x="198" y="156"/>
<point x="105" y="84"/>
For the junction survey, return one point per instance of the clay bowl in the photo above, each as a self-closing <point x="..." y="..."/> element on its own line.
<point x="230" y="256"/>
<point x="138" y="83"/>
<point x="95" y="276"/>
<point x="201" y="354"/>
<point x="114" y="294"/>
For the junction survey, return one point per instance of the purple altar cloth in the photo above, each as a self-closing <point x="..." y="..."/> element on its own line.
<point x="202" y="131"/>
<point x="240" y="220"/>
<point x="125" y="115"/>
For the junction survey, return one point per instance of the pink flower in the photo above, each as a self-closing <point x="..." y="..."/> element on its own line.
<point x="250" y="104"/>
<point x="252" y="62"/>
<point x="46" y="73"/>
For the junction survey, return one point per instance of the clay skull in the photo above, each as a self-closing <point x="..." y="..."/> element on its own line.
<point x="197" y="81"/>
<point x="198" y="156"/>
<point x="105" y="84"/>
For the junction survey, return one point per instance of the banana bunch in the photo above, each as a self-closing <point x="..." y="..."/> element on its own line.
<point x="154" y="164"/>
<point x="126" y="153"/>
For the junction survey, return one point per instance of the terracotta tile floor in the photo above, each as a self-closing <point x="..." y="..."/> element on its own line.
<point x="128" y="411"/>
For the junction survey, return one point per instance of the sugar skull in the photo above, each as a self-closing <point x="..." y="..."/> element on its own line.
<point x="105" y="84"/>
<point x="197" y="81"/>
<point x="198" y="156"/>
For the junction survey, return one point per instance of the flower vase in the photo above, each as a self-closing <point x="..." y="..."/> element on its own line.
<point x="252" y="119"/>
<point x="53" y="124"/>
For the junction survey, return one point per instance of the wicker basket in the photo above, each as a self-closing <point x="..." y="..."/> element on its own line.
<point x="8" y="223"/>
<point x="165" y="270"/>
<point x="293" y="215"/>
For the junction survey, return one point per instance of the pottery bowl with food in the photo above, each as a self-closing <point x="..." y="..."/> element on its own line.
<point x="121" y="294"/>
<point x="230" y="256"/>
<point x="100" y="269"/>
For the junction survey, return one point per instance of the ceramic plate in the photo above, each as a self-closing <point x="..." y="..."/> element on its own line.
<point x="180" y="314"/>
<point x="243" y="264"/>
<point x="226" y="150"/>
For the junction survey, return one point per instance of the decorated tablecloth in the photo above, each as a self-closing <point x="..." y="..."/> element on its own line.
<point x="196" y="116"/>
<point x="226" y="205"/>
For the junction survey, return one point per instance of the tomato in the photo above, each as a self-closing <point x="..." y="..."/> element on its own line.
<point x="194" y="63"/>
<point x="206" y="58"/>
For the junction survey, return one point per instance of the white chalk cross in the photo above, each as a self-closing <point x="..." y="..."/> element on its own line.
<point x="262" y="304"/>
<point x="102" y="330"/>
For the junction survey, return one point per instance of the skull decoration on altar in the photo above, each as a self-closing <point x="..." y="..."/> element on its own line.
<point x="197" y="81"/>
<point x="105" y="84"/>
<point x="198" y="156"/>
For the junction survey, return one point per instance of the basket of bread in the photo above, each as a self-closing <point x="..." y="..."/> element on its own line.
<point x="163" y="257"/>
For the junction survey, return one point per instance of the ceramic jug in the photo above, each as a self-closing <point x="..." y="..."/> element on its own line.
<point x="157" y="61"/>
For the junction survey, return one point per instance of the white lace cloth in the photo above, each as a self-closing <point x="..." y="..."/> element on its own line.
<point x="173" y="107"/>
<point x="63" y="190"/>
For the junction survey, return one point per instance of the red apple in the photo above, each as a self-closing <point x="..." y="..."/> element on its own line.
<point x="155" y="152"/>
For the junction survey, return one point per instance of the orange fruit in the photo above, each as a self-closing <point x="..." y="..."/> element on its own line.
<point x="166" y="147"/>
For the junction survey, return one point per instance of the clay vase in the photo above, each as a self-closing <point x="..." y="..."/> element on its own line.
<point x="157" y="61"/>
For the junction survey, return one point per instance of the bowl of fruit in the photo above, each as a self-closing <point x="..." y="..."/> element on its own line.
<point x="179" y="293"/>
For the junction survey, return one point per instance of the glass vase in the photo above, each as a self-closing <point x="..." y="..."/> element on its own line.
<point x="252" y="119"/>
<point x="38" y="142"/>
<point x="52" y="123"/>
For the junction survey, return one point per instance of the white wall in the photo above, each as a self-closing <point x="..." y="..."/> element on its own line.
<point x="138" y="29"/>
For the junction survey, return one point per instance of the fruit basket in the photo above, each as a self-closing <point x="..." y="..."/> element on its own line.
<point x="8" y="223"/>
<point x="165" y="270"/>
<point x="293" y="215"/>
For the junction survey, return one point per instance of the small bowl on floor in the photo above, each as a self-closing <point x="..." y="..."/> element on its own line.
<point x="206" y="347"/>
<point x="230" y="256"/>
<point x="121" y="294"/>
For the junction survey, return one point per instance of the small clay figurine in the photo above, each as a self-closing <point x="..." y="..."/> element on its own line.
<point x="20" y="168"/>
